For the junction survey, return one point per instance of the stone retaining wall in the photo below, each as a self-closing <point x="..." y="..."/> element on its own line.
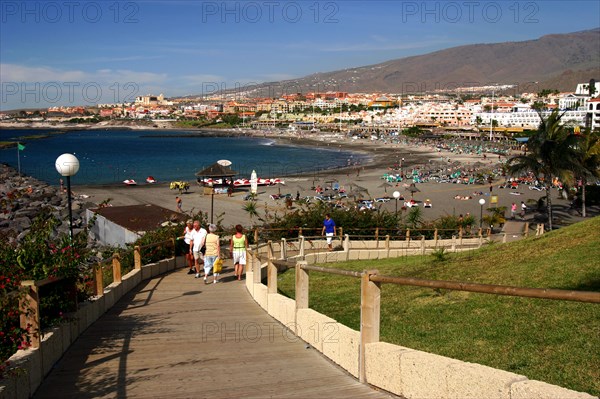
<point x="35" y="364"/>
<point x="403" y="371"/>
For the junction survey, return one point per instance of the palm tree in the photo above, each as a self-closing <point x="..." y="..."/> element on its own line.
<point x="589" y="161"/>
<point x="552" y="152"/>
<point x="251" y="209"/>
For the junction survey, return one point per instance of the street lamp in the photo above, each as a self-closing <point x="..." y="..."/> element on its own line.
<point x="68" y="165"/>
<point x="396" y="195"/>
<point x="481" y="203"/>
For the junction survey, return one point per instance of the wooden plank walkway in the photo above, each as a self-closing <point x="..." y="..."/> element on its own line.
<point x="173" y="336"/>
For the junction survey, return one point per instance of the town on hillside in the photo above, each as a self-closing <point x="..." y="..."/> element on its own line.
<point x="484" y="112"/>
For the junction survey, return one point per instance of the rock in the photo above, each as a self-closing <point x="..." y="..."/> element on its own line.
<point x="22" y="235"/>
<point x="20" y="223"/>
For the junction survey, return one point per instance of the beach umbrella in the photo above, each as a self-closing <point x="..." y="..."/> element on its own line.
<point x="413" y="189"/>
<point x="385" y="185"/>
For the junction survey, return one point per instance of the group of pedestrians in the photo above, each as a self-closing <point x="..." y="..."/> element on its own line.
<point x="203" y="248"/>
<point x="513" y="210"/>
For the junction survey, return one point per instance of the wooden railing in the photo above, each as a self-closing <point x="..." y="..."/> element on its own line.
<point x="29" y="302"/>
<point x="378" y="233"/>
<point x="29" y="306"/>
<point x="371" y="281"/>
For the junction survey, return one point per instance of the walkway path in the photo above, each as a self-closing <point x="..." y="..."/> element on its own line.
<point x="176" y="337"/>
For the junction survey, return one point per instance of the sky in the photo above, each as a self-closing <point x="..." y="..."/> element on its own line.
<point x="76" y="52"/>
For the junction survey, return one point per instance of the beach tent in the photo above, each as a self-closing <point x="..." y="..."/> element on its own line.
<point x="216" y="172"/>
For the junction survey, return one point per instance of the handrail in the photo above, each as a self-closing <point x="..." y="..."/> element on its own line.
<point x="31" y="299"/>
<point x="541" y="293"/>
<point x="155" y="244"/>
<point x="40" y="283"/>
<point x="328" y="270"/>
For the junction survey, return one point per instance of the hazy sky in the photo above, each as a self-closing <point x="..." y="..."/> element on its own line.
<point x="86" y="52"/>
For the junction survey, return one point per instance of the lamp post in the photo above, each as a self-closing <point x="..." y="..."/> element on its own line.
<point x="68" y="165"/>
<point x="481" y="203"/>
<point x="396" y="195"/>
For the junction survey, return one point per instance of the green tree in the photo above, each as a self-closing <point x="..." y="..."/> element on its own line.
<point x="251" y="209"/>
<point x="552" y="152"/>
<point x="588" y="152"/>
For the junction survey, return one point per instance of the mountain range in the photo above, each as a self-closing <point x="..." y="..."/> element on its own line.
<point x="555" y="61"/>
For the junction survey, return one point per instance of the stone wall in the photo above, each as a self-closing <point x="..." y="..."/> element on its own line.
<point x="403" y="371"/>
<point x="34" y="364"/>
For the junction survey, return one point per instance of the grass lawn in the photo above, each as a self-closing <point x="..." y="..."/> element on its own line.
<point x="553" y="341"/>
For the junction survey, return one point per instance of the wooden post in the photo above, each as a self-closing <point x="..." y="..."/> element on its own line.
<point x="370" y="310"/>
<point x="526" y="232"/>
<point x="504" y="238"/>
<point x="435" y="236"/>
<point x="377" y="237"/>
<point x="341" y="233"/>
<point x="407" y="235"/>
<point x="302" y="284"/>
<point x="283" y="248"/>
<point x="256" y="269"/>
<point x="271" y="270"/>
<point x="137" y="258"/>
<point x="29" y="306"/>
<point x="98" y="280"/>
<point x="347" y="246"/>
<point x="302" y="247"/>
<point x="422" y="245"/>
<point x="387" y="245"/>
<point x="116" y="262"/>
<point x="460" y="237"/>
<point x="453" y="249"/>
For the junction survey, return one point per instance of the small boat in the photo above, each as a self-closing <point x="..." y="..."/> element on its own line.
<point x="150" y="180"/>
<point x="130" y="182"/>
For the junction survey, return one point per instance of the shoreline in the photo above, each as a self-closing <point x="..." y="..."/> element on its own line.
<point x="372" y="155"/>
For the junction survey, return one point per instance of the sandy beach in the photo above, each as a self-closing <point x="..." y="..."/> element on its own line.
<point x="383" y="156"/>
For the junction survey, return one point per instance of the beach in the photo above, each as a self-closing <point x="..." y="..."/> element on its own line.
<point x="446" y="198"/>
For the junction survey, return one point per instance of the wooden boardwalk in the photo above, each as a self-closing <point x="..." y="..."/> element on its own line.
<point x="173" y="336"/>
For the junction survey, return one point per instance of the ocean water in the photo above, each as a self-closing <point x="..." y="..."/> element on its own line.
<point x="111" y="156"/>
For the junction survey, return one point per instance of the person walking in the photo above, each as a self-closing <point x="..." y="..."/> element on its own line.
<point x="178" y="202"/>
<point x="238" y="246"/>
<point x="213" y="250"/>
<point x="329" y="230"/>
<point x="513" y="210"/>
<point x="187" y="237"/>
<point x="523" y="210"/>
<point x="197" y="241"/>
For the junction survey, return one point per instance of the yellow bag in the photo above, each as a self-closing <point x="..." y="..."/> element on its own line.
<point x="218" y="265"/>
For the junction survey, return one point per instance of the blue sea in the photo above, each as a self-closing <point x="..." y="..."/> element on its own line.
<point x="111" y="156"/>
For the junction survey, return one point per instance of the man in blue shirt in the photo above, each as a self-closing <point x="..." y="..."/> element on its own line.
<point x="328" y="230"/>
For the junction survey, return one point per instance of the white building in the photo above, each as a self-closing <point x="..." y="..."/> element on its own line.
<point x="527" y="119"/>
<point x="593" y="111"/>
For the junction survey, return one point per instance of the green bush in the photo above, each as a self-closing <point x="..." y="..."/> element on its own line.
<point x="41" y="254"/>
